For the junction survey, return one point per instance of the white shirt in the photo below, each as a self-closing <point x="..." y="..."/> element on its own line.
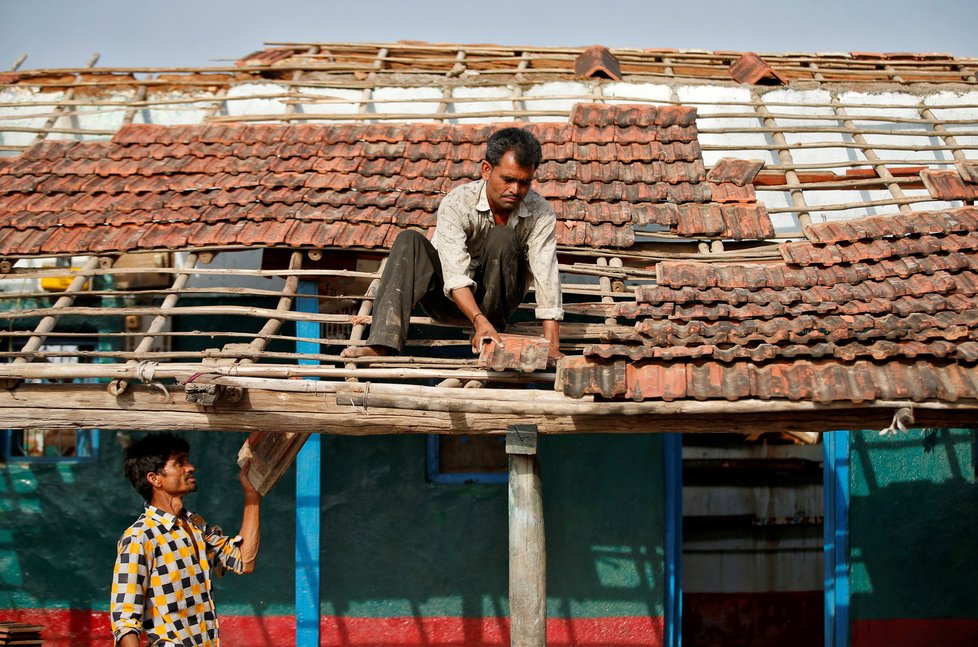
<point x="464" y="220"/>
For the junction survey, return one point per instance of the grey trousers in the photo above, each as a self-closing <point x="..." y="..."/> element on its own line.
<point x="413" y="276"/>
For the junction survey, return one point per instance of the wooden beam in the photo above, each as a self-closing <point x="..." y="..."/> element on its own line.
<point x="149" y="408"/>
<point x="527" y="544"/>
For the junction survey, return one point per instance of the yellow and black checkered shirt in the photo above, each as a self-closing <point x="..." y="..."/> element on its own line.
<point x="162" y="580"/>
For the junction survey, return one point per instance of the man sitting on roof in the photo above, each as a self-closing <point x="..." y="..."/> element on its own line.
<point x="492" y="236"/>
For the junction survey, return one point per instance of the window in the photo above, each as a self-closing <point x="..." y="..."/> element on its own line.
<point x="467" y="458"/>
<point x="40" y="444"/>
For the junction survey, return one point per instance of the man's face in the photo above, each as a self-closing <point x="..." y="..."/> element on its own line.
<point x="177" y="476"/>
<point x="506" y="183"/>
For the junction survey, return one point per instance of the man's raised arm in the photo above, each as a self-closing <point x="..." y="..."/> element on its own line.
<point x="250" y="521"/>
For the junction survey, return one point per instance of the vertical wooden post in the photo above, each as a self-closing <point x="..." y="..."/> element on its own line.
<point x="527" y="546"/>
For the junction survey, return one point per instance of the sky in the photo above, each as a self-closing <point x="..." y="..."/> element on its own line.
<point x="201" y="33"/>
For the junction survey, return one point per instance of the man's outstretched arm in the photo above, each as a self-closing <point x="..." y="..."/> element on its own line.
<point x="250" y="521"/>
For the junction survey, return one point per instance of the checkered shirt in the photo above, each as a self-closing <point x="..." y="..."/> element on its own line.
<point x="162" y="580"/>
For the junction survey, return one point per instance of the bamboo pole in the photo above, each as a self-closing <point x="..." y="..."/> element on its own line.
<point x="159" y="321"/>
<point x="356" y="333"/>
<point x="800" y="205"/>
<point x="527" y="543"/>
<point x="284" y="306"/>
<point x="48" y="322"/>
<point x="181" y="371"/>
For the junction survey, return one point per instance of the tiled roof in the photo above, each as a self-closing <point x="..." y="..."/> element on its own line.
<point x="878" y="308"/>
<point x="608" y="171"/>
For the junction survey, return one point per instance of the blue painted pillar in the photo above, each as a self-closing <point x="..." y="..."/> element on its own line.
<point x="673" y="505"/>
<point x="836" y="537"/>
<point x="307" y="497"/>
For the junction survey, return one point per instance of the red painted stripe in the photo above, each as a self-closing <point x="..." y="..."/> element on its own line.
<point x="915" y="633"/>
<point x="73" y="628"/>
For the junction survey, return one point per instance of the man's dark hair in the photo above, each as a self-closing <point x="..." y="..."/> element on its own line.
<point x="526" y="149"/>
<point x="149" y="454"/>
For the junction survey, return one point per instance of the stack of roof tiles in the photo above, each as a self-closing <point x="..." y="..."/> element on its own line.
<point x="881" y="308"/>
<point x="612" y="169"/>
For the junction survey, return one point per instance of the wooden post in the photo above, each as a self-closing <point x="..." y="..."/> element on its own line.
<point x="527" y="546"/>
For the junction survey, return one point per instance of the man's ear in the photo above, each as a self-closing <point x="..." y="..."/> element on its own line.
<point x="486" y="169"/>
<point x="151" y="478"/>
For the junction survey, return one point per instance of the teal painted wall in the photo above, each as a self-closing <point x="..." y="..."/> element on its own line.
<point x="59" y="525"/>
<point x="393" y="544"/>
<point x="396" y="545"/>
<point x="914" y="525"/>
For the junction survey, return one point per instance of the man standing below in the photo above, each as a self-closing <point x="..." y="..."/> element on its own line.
<point x="492" y="237"/>
<point x="162" y="583"/>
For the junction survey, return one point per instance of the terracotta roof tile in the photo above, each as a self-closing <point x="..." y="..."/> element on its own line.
<point x="801" y="253"/>
<point x="968" y="170"/>
<point x="597" y="61"/>
<point x="626" y="159"/>
<point x="753" y="277"/>
<point x="961" y="219"/>
<point x="516" y="352"/>
<point x="730" y="192"/>
<point x="819" y="380"/>
<point x="752" y="69"/>
<point x="577" y="376"/>
<point x="948" y="185"/>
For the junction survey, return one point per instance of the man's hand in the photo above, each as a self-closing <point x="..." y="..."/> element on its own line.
<point x="551" y="330"/>
<point x="483" y="329"/>
<point x="250" y="493"/>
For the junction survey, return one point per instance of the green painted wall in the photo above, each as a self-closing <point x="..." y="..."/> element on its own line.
<point x="59" y="525"/>
<point x="397" y="545"/>
<point x="914" y="525"/>
<point x="393" y="544"/>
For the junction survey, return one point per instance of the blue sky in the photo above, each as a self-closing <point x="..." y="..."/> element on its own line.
<point x="176" y="33"/>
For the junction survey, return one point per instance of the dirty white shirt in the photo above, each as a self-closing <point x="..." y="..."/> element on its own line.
<point x="464" y="220"/>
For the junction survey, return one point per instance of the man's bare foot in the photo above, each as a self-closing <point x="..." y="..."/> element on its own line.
<point x="353" y="352"/>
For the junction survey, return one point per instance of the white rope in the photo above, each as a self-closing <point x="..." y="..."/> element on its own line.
<point x="145" y="371"/>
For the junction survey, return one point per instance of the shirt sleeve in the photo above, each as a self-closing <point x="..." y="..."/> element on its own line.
<point x="129" y="580"/>
<point x="452" y="250"/>
<point x="541" y="251"/>
<point x="223" y="550"/>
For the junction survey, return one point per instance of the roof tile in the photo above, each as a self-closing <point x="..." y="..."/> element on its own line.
<point x="948" y="185"/>
<point x="597" y="61"/>
<point x="968" y="170"/>
<point x="752" y="69"/>
<point x="516" y="352"/>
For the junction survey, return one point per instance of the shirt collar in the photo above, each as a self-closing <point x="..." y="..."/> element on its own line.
<point x="163" y="518"/>
<point x="482" y="206"/>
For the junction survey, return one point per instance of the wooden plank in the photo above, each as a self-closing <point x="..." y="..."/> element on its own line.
<point x="148" y="408"/>
<point x="527" y="543"/>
